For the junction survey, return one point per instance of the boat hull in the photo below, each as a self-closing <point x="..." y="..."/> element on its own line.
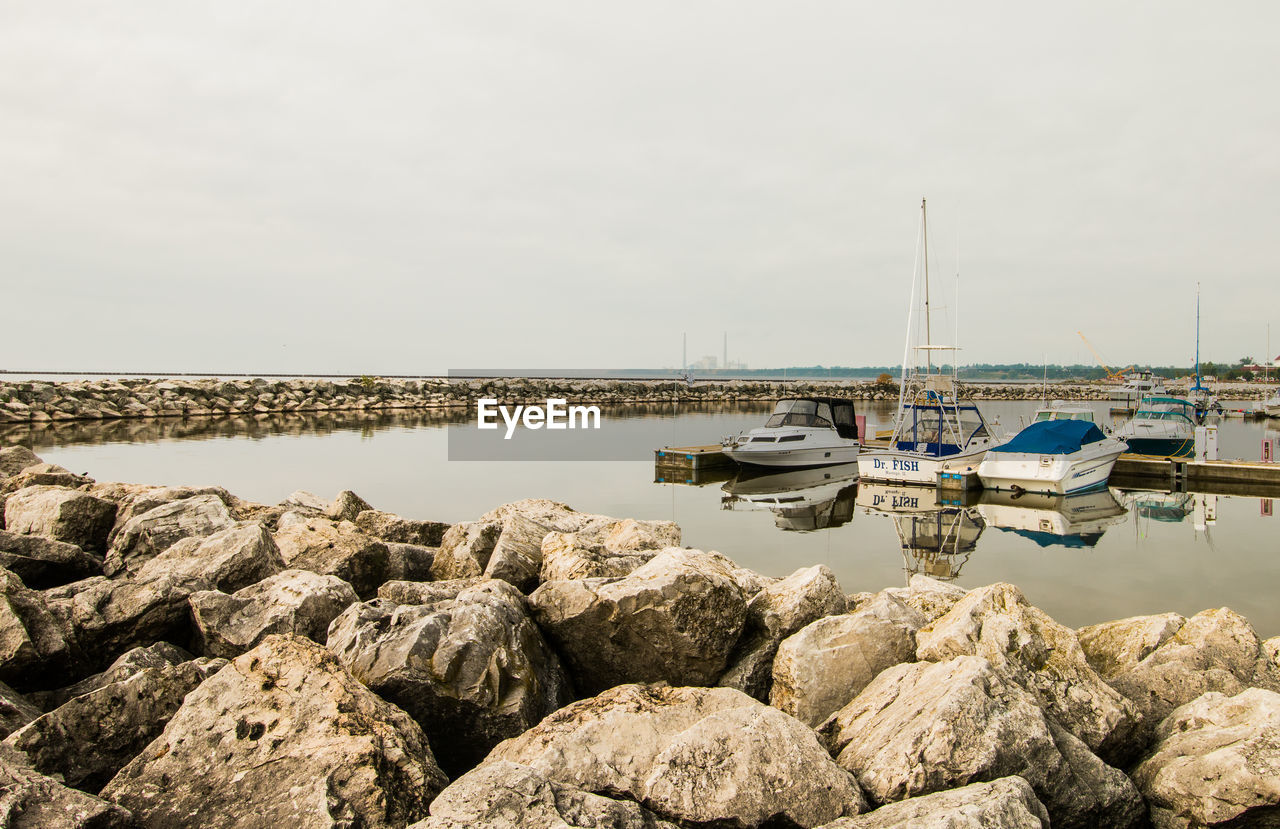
<point x="901" y="467"/>
<point x="1177" y="447"/>
<point x="1065" y="474"/>
<point x="774" y="457"/>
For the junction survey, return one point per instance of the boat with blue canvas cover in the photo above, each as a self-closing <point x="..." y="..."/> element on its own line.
<point x="1055" y="457"/>
<point x="1162" y="426"/>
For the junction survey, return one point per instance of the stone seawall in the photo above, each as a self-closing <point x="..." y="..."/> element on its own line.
<point x="182" y="657"/>
<point x="28" y="401"/>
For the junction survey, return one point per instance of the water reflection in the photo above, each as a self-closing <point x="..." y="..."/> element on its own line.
<point x="937" y="534"/>
<point x="1053" y="520"/>
<point x="800" y="499"/>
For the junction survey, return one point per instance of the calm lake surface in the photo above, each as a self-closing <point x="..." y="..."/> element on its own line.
<point x="1113" y="555"/>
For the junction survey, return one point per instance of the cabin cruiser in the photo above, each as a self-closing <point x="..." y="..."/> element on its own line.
<point x="1053" y="520"/>
<point x="1164" y="426"/>
<point x="1136" y="386"/>
<point x="802" y="431"/>
<point x="801" y="500"/>
<point x="1052" y="456"/>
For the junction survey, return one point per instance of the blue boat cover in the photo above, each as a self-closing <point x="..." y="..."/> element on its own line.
<point x="1053" y="437"/>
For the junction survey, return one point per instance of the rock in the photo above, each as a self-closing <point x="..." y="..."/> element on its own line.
<point x="1271" y="648"/>
<point x="282" y="736"/>
<point x="34" y="650"/>
<point x="335" y="549"/>
<point x="566" y="556"/>
<point x="389" y="527"/>
<point x="697" y="756"/>
<point x="308" y="502"/>
<point x="1115" y="647"/>
<point x="159" y="655"/>
<point x="43" y="474"/>
<point x="29" y="800"/>
<point x="997" y="623"/>
<point x="503" y="794"/>
<point x="409" y="562"/>
<point x="15" y="711"/>
<point x="426" y="592"/>
<point x="930" y="596"/>
<point x="293" y="601"/>
<point x="1216" y="763"/>
<point x="675" y="619"/>
<point x="107" y="617"/>
<point x="347" y="506"/>
<point x="60" y="514"/>
<point x="1216" y="650"/>
<point x="465" y="550"/>
<point x="517" y="555"/>
<point x="920" y="728"/>
<point x="773" y="614"/>
<point x="88" y="739"/>
<point x="133" y="500"/>
<point x="14" y="459"/>
<point x="227" y="560"/>
<point x="42" y="562"/>
<point x="828" y="662"/>
<point x="472" y="669"/>
<point x="145" y="536"/>
<point x="1006" y="803"/>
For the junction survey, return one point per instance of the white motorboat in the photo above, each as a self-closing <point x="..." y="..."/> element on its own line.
<point x="1137" y="385"/>
<point x="1271" y="406"/>
<point x="934" y="430"/>
<point x="1163" y="426"/>
<point x="802" y="431"/>
<point x="1053" y="520"/>
<point x="800" y="499"/>
<point x="1054" y="457"/>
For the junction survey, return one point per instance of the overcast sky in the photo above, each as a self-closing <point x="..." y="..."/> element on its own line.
<point x="390" y="187"/>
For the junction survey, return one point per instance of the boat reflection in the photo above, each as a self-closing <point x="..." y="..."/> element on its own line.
<point x="937" y="534"/>
<point x="801" y="500"/>
<point x="1053" y="520"/>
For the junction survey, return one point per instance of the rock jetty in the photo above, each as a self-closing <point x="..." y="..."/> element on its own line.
<point x="43" y="402"/>
<point x="181" y="657"/>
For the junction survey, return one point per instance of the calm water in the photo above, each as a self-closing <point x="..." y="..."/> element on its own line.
<point x="1116" y="554"/>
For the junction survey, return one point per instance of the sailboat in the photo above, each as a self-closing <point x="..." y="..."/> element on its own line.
<point x="1199" y="395"/>
<point x="934" y="431"/>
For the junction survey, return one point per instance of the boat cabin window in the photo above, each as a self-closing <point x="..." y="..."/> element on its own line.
<point x="1041" y="417"/>
<point x="971" y="424"/>
<point x="800" y="413"/>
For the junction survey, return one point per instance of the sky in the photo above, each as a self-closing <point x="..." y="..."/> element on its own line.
<point x="409" y="188"/>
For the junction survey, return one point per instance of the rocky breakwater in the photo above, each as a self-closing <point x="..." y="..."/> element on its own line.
<point x="48" y="402"/>
<point x="176" y="656"/>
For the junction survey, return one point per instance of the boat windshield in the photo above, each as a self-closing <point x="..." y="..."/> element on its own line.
<point x="1054" y="414"/>
<point x="800" y="413"/>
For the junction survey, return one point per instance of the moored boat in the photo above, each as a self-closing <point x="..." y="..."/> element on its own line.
<point x="1054" y="457"/>
<point x="801" y="431"/>
<point x="1163" y="426"/>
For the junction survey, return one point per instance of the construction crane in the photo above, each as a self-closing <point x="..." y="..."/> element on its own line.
<point x="1112" y="376"/>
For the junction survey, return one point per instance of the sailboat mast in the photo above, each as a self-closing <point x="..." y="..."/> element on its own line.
<point x="1197" y="335"/>
<point x="928" y="326"/>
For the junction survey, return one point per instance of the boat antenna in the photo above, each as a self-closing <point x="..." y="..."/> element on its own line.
<point x="928" y="324"/>
<point x="955" y="355"/>
<point x="911" y="310"/>
<point x="1044" y="384"/>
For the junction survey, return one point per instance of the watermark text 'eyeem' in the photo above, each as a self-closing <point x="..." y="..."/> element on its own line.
<point x="556" y="414"/>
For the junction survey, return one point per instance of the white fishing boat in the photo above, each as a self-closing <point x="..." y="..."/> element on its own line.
<point x="1163" y="426"/>
<point x="1053" y="457"/>
<point x="802" y="431"/>
<point x="1052" y="520"/>
<point x="934" y="430"/>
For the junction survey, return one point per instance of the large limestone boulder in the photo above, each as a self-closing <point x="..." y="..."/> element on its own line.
<point x="925" y="727"/>
<point x="931" y="597"/>
<point x="1115" y="647"/>
<point x="1271" y="648"/>
<point x="42" y="562"/>
<point x="292" y="601"/>
<point x="611" y="550"/>
<point x="30" y="800"/>
<point x="697" y="756"/>
<point x="1006" y="803"/>
<point x="998" y="624"/>
<point x="61" y="514"/>
<point x="1216" y="763"/>
<point x="227" y="560"/>
<point x="14" y="459"/>
<point x="503" y="794"/>
<point x="426" y="592"/>
<point x="773" y="614"/>
<point x="828" y="662"/>
<point x="471" y="668"/>
<point x="15" y="710"/>
<point x="465" y="550"/>
<point x="334" y="549"/>
<point x="89" y="738"/>
<point x="145" y="536"/>
<point x="159" y="655"/>
<point x="409" y="562"/>
<point x="133" y="500"/>
<point x="43" y="474"/>
<point x="35" y="651"/>
<point x="282" y="736"/>
<point x="107" y="617"/>
<point x="390" y="527"/>
<point x="1216" y="650"/>
<point x="674" y="619"/>
<point x="347" y="506"/>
